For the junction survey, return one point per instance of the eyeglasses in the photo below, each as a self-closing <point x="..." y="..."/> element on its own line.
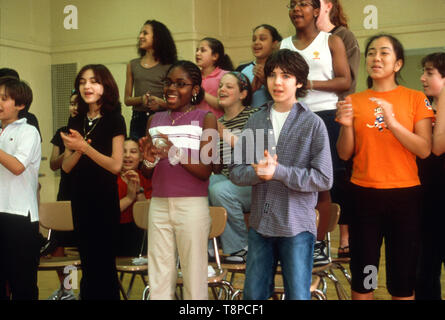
<point x="301" y="4"/>
<point x="178" y="85"/>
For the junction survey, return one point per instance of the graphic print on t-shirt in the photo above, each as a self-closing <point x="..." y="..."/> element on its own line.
<point x="379" y="122"/>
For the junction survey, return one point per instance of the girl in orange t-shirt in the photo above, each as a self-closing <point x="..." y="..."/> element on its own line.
<point x="383" y="129"/>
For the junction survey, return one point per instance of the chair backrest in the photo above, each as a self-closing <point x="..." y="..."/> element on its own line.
<point x="56" y="215"/>
<point x="335" y="215"/>
<point x="140" y="213"/>
<point x="219" y="219"/>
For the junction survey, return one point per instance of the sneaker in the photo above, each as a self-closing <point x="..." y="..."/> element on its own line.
<point x="320" y="256"/>
<point x="237" y="257"/>
<point x="62" y="294"/>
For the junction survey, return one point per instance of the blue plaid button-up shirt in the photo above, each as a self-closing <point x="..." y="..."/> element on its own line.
<point x="285" y="205"/>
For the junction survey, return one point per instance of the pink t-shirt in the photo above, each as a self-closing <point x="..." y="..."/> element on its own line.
<point x="174" y="180"/>
<point x="211" y="84"/>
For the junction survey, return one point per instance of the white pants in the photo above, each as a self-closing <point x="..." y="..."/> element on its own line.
<point x="178" y="225"/>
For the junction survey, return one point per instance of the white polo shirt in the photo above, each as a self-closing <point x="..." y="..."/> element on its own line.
<point x="18" y="194"/>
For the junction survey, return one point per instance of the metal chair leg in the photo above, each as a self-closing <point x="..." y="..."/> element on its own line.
<point x="341" y="293"/>
<point x="130" y="286"/>
<point x="146" y="293"/>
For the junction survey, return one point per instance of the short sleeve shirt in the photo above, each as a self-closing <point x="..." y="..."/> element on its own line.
<point x="380" y="160"/>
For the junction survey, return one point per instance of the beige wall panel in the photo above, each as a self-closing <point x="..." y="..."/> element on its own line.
<point x="105" y="20"/>
<point x="208" y="19"/>
<point x="26" y="21"/>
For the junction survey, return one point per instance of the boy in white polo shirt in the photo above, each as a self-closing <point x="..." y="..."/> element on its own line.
<point x="20" y="154"/>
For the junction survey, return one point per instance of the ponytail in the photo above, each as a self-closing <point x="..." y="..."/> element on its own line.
<point x="224" y="62"/>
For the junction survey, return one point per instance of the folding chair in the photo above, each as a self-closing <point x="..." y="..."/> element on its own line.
<point x="126" y="264"/>
<point x="57" y="216"/>
<point x="219" y="219"/>
<point x="326" y="270"/>
<point x="236" y="268"/>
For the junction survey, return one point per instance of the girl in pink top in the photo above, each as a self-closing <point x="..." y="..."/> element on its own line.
<point x="179" y="221"/>
<point x="214" y="63"/>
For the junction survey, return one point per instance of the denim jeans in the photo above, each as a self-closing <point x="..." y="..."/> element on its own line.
<point x="236" y="200"/>
<point x="296" y="257"/>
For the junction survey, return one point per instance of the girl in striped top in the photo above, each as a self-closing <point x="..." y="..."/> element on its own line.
<point x="234" y="96"/>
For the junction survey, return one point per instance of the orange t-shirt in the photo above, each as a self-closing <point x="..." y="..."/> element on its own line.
<point x="380" y="160"/>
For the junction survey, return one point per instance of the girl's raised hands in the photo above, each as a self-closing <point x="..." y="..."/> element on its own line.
<point x="74" y="141"/>
<point x="345" y="112"/>
<point x="146" y="147"/>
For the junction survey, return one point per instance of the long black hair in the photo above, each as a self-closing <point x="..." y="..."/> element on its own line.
<point x="164" y="46"/>
<point x="398" y="50"/>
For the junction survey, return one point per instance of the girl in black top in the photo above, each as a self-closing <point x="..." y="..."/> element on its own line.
<point x="93" y="157"/>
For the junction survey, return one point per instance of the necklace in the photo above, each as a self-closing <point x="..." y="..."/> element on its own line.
<point x="86" y="134"/>
<point x="174" y="120"/>
<point x="90" y="123"/>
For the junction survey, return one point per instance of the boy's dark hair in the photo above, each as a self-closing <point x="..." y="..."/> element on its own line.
<point x="292" y="63"/>
<point x="194" y="73"/>
<point x="7" y="72"/>
<point x="224" y="62"/>
<point x="19" y="91"/>
<point x="398" y="50"/>
<point x="437" y="59"/>
<point x="164" y="46"/>
<point x="243" y="84"/>
<point x="276" y="36"/>
<point x="110" y="99"/>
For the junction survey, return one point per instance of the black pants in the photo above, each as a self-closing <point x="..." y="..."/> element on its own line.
<point x="432" y="252"/>
<point x="138" y="124"/>
<point x="392" y="215"/>
<point x="95" y="225"/>
<point x="19" y="257"/>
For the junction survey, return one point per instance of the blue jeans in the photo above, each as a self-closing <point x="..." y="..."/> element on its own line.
<point x="296" y="257"/>
<point x="236" y="200"/>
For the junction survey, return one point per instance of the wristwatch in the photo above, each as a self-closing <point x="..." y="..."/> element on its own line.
<point x="141" y="190"/>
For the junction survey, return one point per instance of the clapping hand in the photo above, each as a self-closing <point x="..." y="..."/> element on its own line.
<point x="133" y="184"/>
<point x="74" y="141"/>
<point x="345" y="112"/>
<point x="387" y="110"/>
<point x="162" y="146"/>
<point x="265" y="169"/>
<point x="147" y="149"/>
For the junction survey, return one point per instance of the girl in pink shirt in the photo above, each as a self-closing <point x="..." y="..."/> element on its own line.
<point x="214" y="63"/>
